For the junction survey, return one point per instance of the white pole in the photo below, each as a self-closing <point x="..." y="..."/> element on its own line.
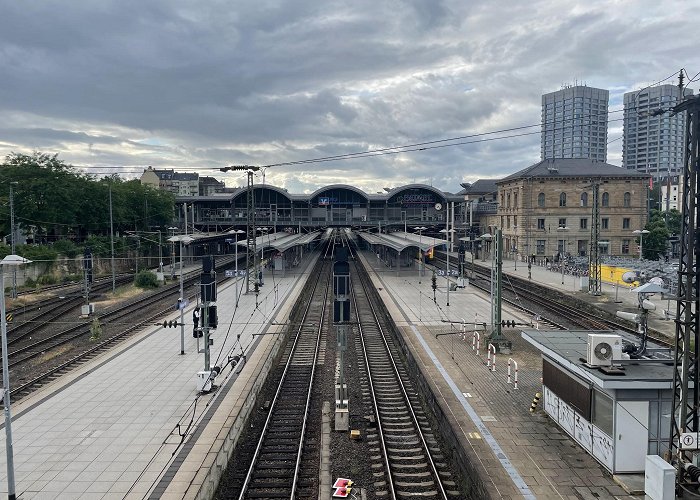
<point x="182" y="303"/>
<point x="12" y="240"/>
<point x="111" y="239"/>
<point x="236" y="257"/>
<point x="6" y="394"/>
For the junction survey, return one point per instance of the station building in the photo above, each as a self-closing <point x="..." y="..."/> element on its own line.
<point x="545" y="210"/>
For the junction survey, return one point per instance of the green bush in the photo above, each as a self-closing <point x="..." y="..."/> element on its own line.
<point x="37" y="253"/>
<point x="146" y="279"/>
<point x="67" y="248"/>
<point x="46" y="279"/>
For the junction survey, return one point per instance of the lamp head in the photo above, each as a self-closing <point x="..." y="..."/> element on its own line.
<point x="14" y="260"/>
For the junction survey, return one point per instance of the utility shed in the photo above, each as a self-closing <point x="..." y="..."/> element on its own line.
<point x="620" y="411"/>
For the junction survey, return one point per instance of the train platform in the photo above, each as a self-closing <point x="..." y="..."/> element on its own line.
<point x="131" y="423"/>
<point x="614" y="297"/>
<point x="516" y="453"/>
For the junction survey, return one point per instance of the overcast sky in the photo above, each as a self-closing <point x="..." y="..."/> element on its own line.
<point x="115" y="86"/>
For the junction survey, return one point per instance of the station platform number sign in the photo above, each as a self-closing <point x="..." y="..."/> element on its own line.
<point x="230" y="273"/>
<point x="342" y="487"/>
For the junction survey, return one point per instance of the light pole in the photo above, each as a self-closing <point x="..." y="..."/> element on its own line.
<point x="9" y="260"/>
<point x="486" y="238"/>
<point x="562" y="230"/>
<point x="236" y="232"/>
<point x="515" y="246"/>
<point x="420" y="230"/>
<point x="181" y="303"/>
<point x="641" y="233"/>
<point x="263" y="232"/>
<point x="448" y="233"/>
<point x="12" y="237"/>
<point x="172" y="252"/>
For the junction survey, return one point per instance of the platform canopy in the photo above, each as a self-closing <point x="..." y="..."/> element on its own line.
<point x="400" y="241"/>
<point x="281" y="241"/>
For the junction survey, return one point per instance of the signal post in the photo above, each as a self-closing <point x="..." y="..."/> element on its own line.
<point x="341" y="320"/>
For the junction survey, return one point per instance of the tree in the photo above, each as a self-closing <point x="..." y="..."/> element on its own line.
<point x="64" y="203"/>
<point x="656" y="241"/>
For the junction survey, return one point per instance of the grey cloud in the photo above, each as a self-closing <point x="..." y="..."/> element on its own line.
<point x="170" y="83"/>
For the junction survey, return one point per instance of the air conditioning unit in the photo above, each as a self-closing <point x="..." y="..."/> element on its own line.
<point x="603" y="349"/>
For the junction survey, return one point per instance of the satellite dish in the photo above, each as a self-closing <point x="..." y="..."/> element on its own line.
<point x="630" y="277"/>
<point x="438" y="206"/>
<point x="657" y="281"/>
<point x="603" y="351"/>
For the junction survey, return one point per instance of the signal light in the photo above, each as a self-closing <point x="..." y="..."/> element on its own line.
<point x="508" y="323"/>
<point x="434" y="280"/>
<point x="171" y="324"/>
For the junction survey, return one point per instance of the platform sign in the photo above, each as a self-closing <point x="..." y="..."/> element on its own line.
<point x="689" y="441"/>
<point x="229" y="273"/>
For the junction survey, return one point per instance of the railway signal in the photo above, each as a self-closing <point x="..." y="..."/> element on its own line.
<point x="434" y="286"/>
<point x="341" y="318"/>
<point x="171" y="324"/>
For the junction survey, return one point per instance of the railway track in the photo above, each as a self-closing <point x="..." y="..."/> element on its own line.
<point x="126" y="319"/>
<point x="285" y="460"/>
<point x="516" y="291"/>
<point x="410" y="457"/>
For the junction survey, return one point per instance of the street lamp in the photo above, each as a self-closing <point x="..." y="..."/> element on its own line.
<point x="448" y="233"/>
<point x="641" y="233"/>
<point x="236" y="232"/>
<point x="562" y="229"/>
<point x="420" y="230"/>
<point x="182" y="238"/>
<point x="9" y="260"/>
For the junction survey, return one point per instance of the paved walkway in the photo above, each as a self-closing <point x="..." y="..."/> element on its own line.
<point x="110" y="429"/>
<point x="516" y="453"/>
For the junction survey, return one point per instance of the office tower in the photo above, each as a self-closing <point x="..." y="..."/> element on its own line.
<point x="575" y="123"/>
<point x="653" y="139"/>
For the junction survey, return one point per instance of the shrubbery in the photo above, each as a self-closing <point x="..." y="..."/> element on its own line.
<point x="67" y="248"/>
<point x="146" y="279"/>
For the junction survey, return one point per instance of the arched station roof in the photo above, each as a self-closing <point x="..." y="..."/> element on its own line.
<point x="341" y="187"/>
<point x="260" y="187"/>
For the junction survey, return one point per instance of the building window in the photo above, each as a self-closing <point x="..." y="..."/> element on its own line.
<point x="602" y="412"/>
<point x="606" y="199"/>
<point x="604" y="223"/>
<point x="508" y="201"/>
<point x="626" y="200"/>
<point x="584" y="199"/>
<point x="540" y="200"/>
<point x="562" y="222"/>
<point x="583" y="224"/>
<point x="562" y="200"/>
<point x="625" y="247"/>
<point x="540" y="223"/>
<point x="540" y="247"/>
<point x="515" y="200"/>
<point x="626" y="223"/>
